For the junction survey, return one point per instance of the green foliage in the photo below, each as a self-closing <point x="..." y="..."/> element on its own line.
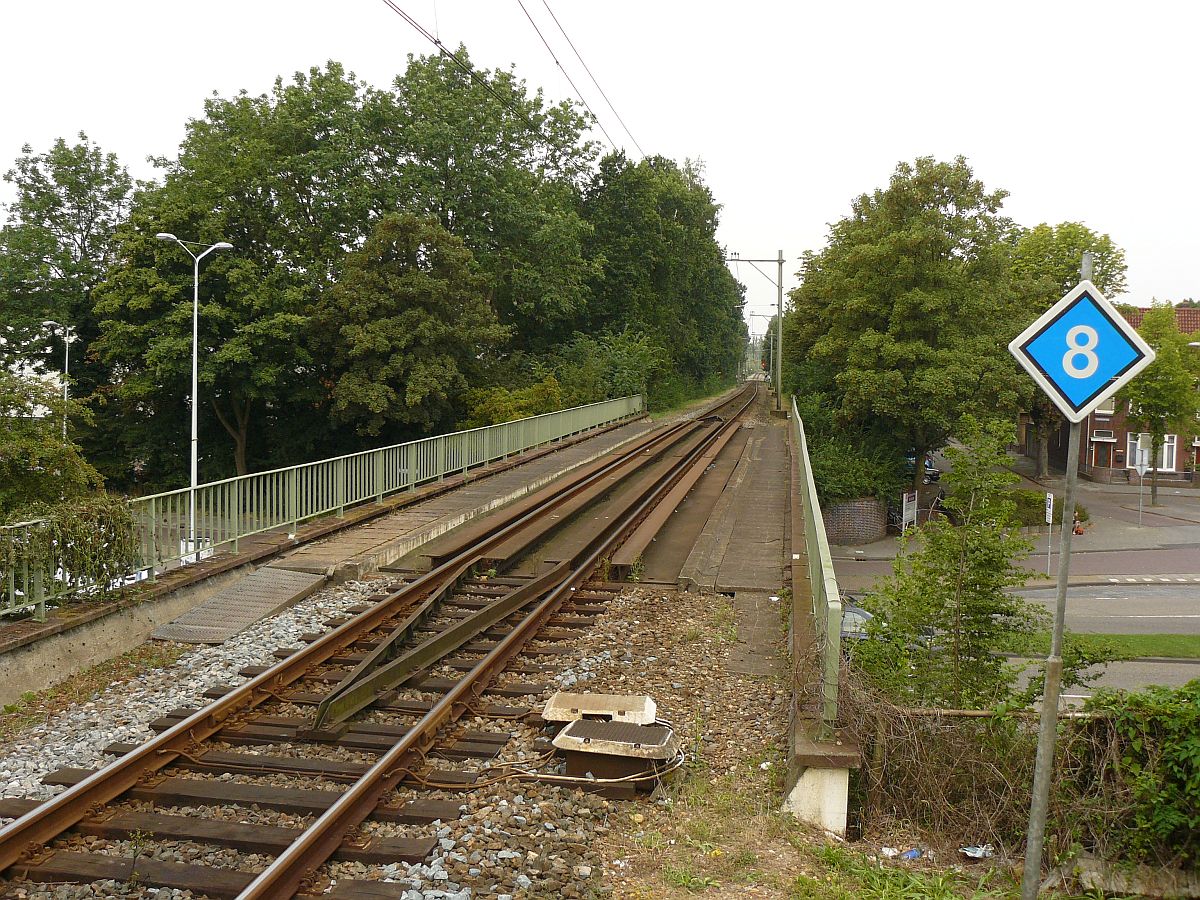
<point x="904" y="316"/>
<point x="945" y="614"/>
<point x="844" y="470"/>
<point x="608" y="364"/>
<point x="847" y="463"/>
<point x="491" y="406"/>
<point x="56" y="246"/>
<point x="407" y="325"/>
<point x="1051" y="255"/>
<point x="36" y="464"/>
<point x="1155" y="762"/>
<point x="1029" y="508"/>
<point x="300" y="336"/>
<point x="664" y="272"/>
<point x="89" y="540"/>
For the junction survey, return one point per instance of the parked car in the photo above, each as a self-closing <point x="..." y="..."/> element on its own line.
<point x="854" y="622"/>
<point x="931" y="474"/>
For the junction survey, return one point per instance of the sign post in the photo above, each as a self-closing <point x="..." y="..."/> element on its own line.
<point x="1049" y="527"/>
<point x="1140" y="466"/>
<point x="908" y="510"/>
<point x="1080" y="352"/>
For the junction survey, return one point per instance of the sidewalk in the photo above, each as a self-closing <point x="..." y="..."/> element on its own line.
<point x="1164" y="548"/>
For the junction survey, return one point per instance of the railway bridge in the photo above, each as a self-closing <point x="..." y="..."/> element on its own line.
<point x="458" y="612"/>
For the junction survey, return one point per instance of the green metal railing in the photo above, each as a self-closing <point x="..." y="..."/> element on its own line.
<point x="228" y="510"/>
<point x="24" y="581"/>
<point x="826" y="600"/>
<point x="32" y="567"/>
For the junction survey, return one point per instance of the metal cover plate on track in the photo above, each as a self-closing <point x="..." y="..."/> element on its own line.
<point x="635" y="709"/>
<point x="618" y="739"/>
<point x="260" y="594"/>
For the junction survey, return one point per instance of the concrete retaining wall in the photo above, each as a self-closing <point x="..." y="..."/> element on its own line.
<point x="55" y="658"/>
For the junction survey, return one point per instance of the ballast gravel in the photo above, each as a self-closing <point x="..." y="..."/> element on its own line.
<point x="515" y="839"/>
<point x="78" y="736"/>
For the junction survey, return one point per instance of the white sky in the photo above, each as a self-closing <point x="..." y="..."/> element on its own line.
<point x="1082" y="110"/>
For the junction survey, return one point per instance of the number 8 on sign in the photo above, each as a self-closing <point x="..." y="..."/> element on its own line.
<point x="1083" y="348"/>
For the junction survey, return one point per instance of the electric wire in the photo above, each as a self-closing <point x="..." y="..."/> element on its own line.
<point x="466" y="69"/>
<point x="593" y="77"/>
<point x="570" y="81"/>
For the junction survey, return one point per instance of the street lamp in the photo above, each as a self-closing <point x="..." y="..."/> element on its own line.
<point x="220" y="245"/>
<point x="67" y="338"/>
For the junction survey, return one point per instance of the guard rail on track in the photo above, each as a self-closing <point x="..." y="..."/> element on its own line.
<point x="226" y="511"/>
<point x="826" y="600"/>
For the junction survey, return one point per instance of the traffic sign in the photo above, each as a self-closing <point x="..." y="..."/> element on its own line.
<point x="1081" y="351"/>
<point x="1049" y="508"/>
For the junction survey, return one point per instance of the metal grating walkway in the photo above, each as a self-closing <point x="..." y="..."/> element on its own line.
<point x="260" y="594"/>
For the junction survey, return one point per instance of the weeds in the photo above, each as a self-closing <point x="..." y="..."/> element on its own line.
<point x="33" y="708"/>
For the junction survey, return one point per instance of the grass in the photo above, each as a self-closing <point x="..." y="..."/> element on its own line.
<point x="1172" y="646"/>
<point x="36" y="707"/>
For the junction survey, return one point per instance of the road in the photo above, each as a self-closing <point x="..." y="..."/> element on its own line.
<point x="1127" y="608"/>
<point x="1131" y="609"/>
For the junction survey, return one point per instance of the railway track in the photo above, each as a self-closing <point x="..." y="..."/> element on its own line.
<point x="365" y="722"/>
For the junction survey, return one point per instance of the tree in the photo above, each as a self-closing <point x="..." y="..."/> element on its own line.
<point x="409" y="328"/>
<point x="56" y="246"/>
<point x="1046" y="260"/>
<point x="903" y="317"/>
<point x="664" y="273"/>
<point x="293" y="180"/>
<point x="1164" y="397"/>
<point x="504" y="177"/>
<point x="37" y="465"/>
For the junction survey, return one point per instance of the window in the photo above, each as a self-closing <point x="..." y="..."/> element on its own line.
<point x="1103" y="434"/>
<point x="1166" y="456"/>
<point x="1108" y="407"/>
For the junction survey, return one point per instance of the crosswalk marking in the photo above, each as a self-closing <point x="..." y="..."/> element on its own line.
<point x="1154" y="579"/>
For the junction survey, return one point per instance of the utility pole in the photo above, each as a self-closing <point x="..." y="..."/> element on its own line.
<point x="779" y="338"/>
<point x="777" y="356"/>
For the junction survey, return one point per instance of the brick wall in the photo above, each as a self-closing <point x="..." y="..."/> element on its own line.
<point x="856" y="521"/>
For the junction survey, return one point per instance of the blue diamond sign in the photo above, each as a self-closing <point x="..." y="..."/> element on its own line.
<point x="1081" y="351"/>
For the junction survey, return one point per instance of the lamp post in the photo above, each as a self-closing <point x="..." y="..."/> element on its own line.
<point x="67" y="338"/>
<point x="220" y="245"/>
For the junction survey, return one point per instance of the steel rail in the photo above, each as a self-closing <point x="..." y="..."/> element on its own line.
<point x="61" y="812"/>
<point x="289" y="870"/>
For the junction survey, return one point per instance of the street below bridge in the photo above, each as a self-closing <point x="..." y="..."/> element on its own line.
<point x="1133" y="572"/>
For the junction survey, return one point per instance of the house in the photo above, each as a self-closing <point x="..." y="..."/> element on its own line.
<point x="1107" y="450"/>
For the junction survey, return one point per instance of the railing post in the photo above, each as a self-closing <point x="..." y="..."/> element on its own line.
<point x="379" y="456"/>
<point x="292" y="499"/>
<point x="236" y="512"/>
<point x="35" y="587"/>
<point x="341" y="488"/>
<point x="411" y="453"/>
<point x="154" y="541"/>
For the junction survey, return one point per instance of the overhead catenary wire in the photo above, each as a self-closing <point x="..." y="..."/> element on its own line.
<point x="570" y="81"/>
<point x="466" y="69"/>
<point x="571" y="44"/>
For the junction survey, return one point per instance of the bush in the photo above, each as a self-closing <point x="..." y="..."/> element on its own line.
<point x="84" y="543"/>
<point x="1126" y="784"/>
<point x="845" y="470"/>
<point x="845" y="465"/>
<point x="1031" y="507"/>
<point x="1136" y="790"/>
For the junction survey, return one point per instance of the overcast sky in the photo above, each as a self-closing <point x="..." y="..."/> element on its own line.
<point x="1082" y="111"/>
